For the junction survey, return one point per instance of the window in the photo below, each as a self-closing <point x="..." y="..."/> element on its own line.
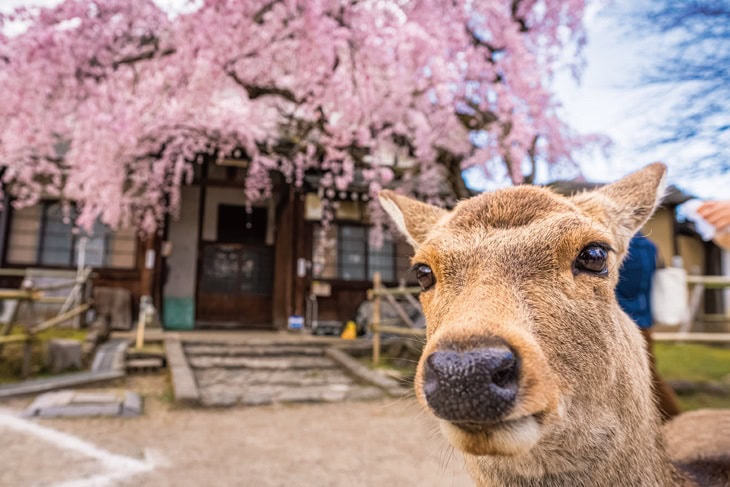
<point x="40" y="235"/>
<point x="346" y="254"/>
<point x="352" y="246"/>
<point x="382" y="260"/>
<point x="58" y="247"/>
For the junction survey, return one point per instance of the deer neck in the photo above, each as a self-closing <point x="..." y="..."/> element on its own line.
<point x="635" y="465"/>
<point x="618" y="446"/>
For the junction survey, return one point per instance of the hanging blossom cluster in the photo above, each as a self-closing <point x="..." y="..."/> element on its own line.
<point x="111" y="103"/>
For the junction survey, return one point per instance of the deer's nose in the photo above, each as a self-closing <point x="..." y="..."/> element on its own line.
<point x="475" y="386"/>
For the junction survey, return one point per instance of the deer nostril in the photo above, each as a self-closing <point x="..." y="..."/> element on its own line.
<point x="506" y="374"/>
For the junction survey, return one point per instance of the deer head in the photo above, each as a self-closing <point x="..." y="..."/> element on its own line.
<point x="530" y="365"/>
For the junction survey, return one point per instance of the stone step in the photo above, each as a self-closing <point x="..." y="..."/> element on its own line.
<point x="252" y="350"/>
<point x="222" y="395"/>
<point x="275" y="363"/>
<point x="110" y="355"/>
<point x="152" y="364"/>
<point x="296" y="378"/>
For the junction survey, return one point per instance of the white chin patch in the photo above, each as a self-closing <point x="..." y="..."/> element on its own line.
<point x="506" y="439"/>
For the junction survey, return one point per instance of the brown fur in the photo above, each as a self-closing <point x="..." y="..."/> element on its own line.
<point x="503" y="264"/>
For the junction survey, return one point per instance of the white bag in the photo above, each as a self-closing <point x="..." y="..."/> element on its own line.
<point x="669" y="296"/>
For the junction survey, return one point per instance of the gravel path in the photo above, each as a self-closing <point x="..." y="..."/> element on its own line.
<point x="378" y="443"/>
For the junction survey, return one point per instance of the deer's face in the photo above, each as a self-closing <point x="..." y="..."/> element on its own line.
<point x="525" y="339"/>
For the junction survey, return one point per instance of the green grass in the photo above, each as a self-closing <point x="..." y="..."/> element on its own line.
<point x="692" y="362"/>
<point x="11" y="357"/>
<point x="703" y="401"/>
<point x="696" y="363"/>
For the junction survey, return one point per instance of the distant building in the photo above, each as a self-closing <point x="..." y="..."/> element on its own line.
<point x="219" y="265"/>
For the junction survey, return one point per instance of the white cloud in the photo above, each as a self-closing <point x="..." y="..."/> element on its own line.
<point x="608" y="101"/>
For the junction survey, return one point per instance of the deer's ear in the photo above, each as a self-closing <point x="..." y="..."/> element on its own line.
<point x="630" y="201"/>
<point x="413" y="218"/>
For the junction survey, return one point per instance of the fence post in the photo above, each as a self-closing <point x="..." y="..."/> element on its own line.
<point x="376" y="318"/>
<point x="27" y="367"/>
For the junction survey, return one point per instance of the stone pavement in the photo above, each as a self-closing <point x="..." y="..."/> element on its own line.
<point x="269" y="373"/>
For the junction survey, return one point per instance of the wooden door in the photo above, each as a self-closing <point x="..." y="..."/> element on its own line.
<point x="236" y="278"/>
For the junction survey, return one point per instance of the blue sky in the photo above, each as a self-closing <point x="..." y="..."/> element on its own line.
<point x="606" y="100"/>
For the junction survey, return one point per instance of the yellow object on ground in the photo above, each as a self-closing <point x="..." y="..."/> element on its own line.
<point x="350" y="331"/>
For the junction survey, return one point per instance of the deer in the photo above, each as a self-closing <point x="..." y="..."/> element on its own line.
<point x="530" y="367"/>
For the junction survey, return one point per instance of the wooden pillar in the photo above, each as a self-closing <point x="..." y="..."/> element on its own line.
<point x="148" y="269"/>
<point x="300" y="236"/>
<point x="201" y="219"/>
<point x="284" y="262"/>
<point x="27" y="366"/>
<point x="375" y="325"/>
<point x="675" y="234"/>
<point x="713" y="267"/>
<point x="4" y="225"/>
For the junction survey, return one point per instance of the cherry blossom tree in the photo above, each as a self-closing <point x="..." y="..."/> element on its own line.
<point x="111" y="103"/>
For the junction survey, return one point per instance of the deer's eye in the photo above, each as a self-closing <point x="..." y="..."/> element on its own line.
<point x="425" y="276"/>
<point x="593" y="259"/>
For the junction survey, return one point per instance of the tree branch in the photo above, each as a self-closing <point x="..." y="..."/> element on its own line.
<point x="520" y="20"/>
<point x="142" y="57"/>
<point x="255" y="91"/>
<point x="452" y="163"/>
<point x="258" y="17"/>
<point x="477" y="120"/>
<point x="532" y="152"/>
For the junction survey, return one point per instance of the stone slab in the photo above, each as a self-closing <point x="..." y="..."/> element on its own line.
<point x="76" y="404"/>
<point x="94" y="397"/>
<point x="78" y="410"/>
<point x="48" y="400"/>
<point x="36" y="386"/>
<point x="183" y="381"/>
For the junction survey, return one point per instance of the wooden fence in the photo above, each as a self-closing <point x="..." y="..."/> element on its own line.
<point x="379" y="293"/>
<point x="378" y="325"/>
<point x="72" y="306"/>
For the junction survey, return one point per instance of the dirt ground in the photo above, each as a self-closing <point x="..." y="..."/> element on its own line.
<point x="385" y="442"/>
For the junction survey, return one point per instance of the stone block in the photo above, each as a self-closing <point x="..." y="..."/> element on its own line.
<point x="132" y="405"/>
<point x="63" y="354"/>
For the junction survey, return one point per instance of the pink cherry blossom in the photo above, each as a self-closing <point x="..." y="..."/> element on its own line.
<point x="111" y="103"/>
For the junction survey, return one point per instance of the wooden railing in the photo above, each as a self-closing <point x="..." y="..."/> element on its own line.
<point x="378" y="326"/>
<point x="698" y="284"/>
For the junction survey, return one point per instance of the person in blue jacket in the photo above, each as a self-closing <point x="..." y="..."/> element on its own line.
<point x="634" y="296"/>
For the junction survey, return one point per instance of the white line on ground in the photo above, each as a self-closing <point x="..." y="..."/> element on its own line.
<point x="117" y="467"/>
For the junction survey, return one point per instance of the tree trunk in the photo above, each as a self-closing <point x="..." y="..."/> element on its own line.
<point x="457" y="185"/>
